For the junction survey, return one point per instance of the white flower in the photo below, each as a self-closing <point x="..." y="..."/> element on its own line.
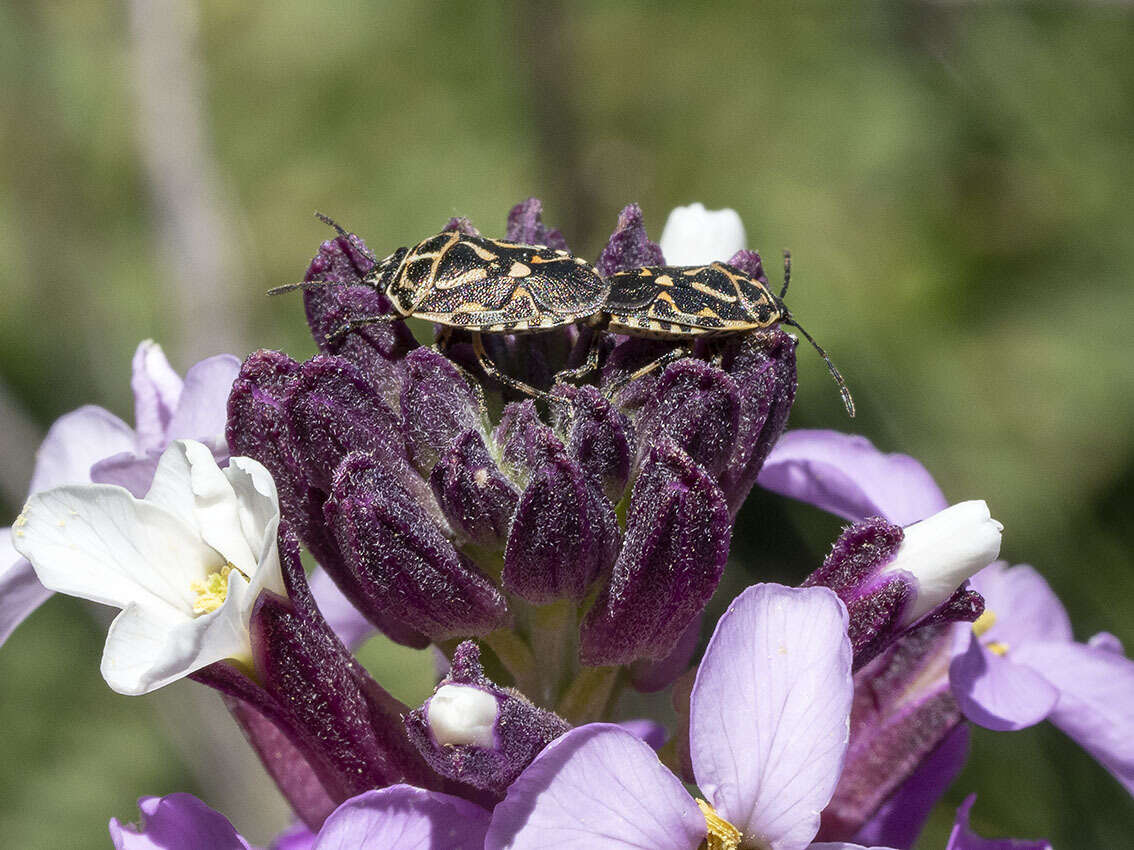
<point x="463" y="714"/>
<point x="694" y="235"/>
<point x="944" y="550"/>
<point x="185" y="564"/>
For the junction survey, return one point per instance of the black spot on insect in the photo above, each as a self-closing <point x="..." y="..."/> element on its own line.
<point x="677" y="302"/>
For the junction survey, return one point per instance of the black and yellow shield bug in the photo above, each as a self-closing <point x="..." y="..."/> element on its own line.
<point x="681" y="303"/>
<point x="483" y="286"/>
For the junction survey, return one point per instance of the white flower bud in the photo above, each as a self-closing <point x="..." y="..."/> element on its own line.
<point x="944" y="550"/>
<point x="694" y="235"/>
<point x="462" y="714"/>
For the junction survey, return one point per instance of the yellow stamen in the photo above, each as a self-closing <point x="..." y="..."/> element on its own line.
<point x="984" y="622"/>
<point x="212" y="591"/>
<point x="998" y="647"/>
<point x="721" y="834"/>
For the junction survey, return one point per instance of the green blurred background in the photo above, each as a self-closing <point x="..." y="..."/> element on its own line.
<point x="955" y="180"/>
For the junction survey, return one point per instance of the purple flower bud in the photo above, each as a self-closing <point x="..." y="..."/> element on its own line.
<point x="902" y="712"/>
<point x="375" y="347"/>
<point x="564" y="534"/>
<point x="525" y="442"/>
<point x="697" y="406"/>
<point x="402" y="561"/>
<point x="473" y="731"/>
<point x="750" y="263"/>
<point x="892" y="579"/>
<point x="763" y="367"/>
<point x="438" y="403"/>
<point x="460" y="224"/>
<point x="333" y="410"/>
<point x="676" y="545"/>
<point x="599" y="438"/>
<point x="525" y="225"/>
<point x="629" y="247"/>
<point x="649" y="675"/>
<point x="475" y="496"/>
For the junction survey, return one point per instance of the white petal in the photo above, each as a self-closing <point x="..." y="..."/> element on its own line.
<point x="769" y="712"/>
<point x="463" y="714"/>
<point x="694" y="235"/>
<point x="98" y="542"/>
<point x="75" y="442"/>
<point x="944" y="550"/>
<point x="146" y="649"/>
<point x="190" y="485"/>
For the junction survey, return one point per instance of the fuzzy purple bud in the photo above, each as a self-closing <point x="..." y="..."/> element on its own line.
<point x="437" y="403"/>
<point x="599" y="438"/>
<point x="676" y="545"/>
<point x="629" y="247"/>
<point x="477" y="499"/>
<point x="525" y="225"/>
<point x="473" y="731"/>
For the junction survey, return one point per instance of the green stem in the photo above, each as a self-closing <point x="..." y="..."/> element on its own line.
<point x="587" y="698"/>
<point x="516" y="656"/>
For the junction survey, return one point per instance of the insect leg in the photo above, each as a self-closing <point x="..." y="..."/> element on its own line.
<point x="669" y="357"/>
<point x="490" y="369"/>
<point x="588" y="366"/>
<point x="354" y="324"/>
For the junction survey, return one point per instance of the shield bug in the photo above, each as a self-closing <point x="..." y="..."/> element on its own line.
<point x="681" y="303"/>
<point x="483" y="286"/>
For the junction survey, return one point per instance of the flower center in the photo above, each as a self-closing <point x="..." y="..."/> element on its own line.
<point x="985" y="622"/>
<point x="720" y="835"/>
<point x="211" y="592"/>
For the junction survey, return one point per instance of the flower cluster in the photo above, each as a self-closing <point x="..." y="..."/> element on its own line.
<point x="557" y="551"/>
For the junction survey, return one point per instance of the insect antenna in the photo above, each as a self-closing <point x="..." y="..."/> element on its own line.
<point x="309" y="284"/>
<point x="844" y="392"/>
<point x="787" y="274"/>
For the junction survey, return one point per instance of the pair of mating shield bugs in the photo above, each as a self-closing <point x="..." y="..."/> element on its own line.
<point x="488" y="286"/>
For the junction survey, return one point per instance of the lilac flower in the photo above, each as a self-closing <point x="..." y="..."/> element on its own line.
<point x="767" y="735"/>
<point x="185" y="565"/>
<point x="91" y="444"/>
<point x="1018" y="664"/>
<point x="400" y="817"/>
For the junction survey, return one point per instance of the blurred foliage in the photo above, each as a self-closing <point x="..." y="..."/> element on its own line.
<point x="954" y="180"/>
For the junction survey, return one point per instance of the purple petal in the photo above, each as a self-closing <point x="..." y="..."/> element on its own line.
<point x="1106" y="642"/>
<point x="597" y="786"/>
<point x="899" y="820"/>
<point x="297" y="837"/>
<point x="20" y="591"/>
<point x="675" y="549"/>
<point x="525" y="225"/>
<point x="201" y="409"/>
<point x="770" y="706"/>
<point x="345" y="620"/>
<point x="176" y="822"/>
<point x="649" y="675"/>
<point x="405" y="818"/>
<point x="650" y="731"/>
<point x="1096" y="693"/>
<point x="845" y="475"/>
<point x="841" y="845"/>
<point x="134" y="472"/>
<point x="74" y="443"/>
<point x="156" y="391"/>
<point x="963" y="838"/>
<point x="1024" y="605"/>
<point x="997" y="693"/>
<point x="629" y="247"/>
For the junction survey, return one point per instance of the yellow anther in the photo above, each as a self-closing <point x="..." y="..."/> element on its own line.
<point x="984" y="622"/>
<point x="720" y="835"/>
<point x="998" y="647"/>
<point x="212" y="591"/>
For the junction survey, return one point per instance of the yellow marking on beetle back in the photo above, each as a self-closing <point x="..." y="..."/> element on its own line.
<point x="519" y="270"/>
<point x="664" y="280"/>
<point x="643" y="273"/>
<point x="715" y="293"/>
<point x="693" y="272"/>
<point x="481" y="251"/>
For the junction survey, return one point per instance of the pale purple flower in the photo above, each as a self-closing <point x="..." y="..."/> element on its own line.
<point x="400" y="817"/>
<point x="92" y="444"/>
<point x="768" y="730"/>
<point x="1016" y="666"/>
